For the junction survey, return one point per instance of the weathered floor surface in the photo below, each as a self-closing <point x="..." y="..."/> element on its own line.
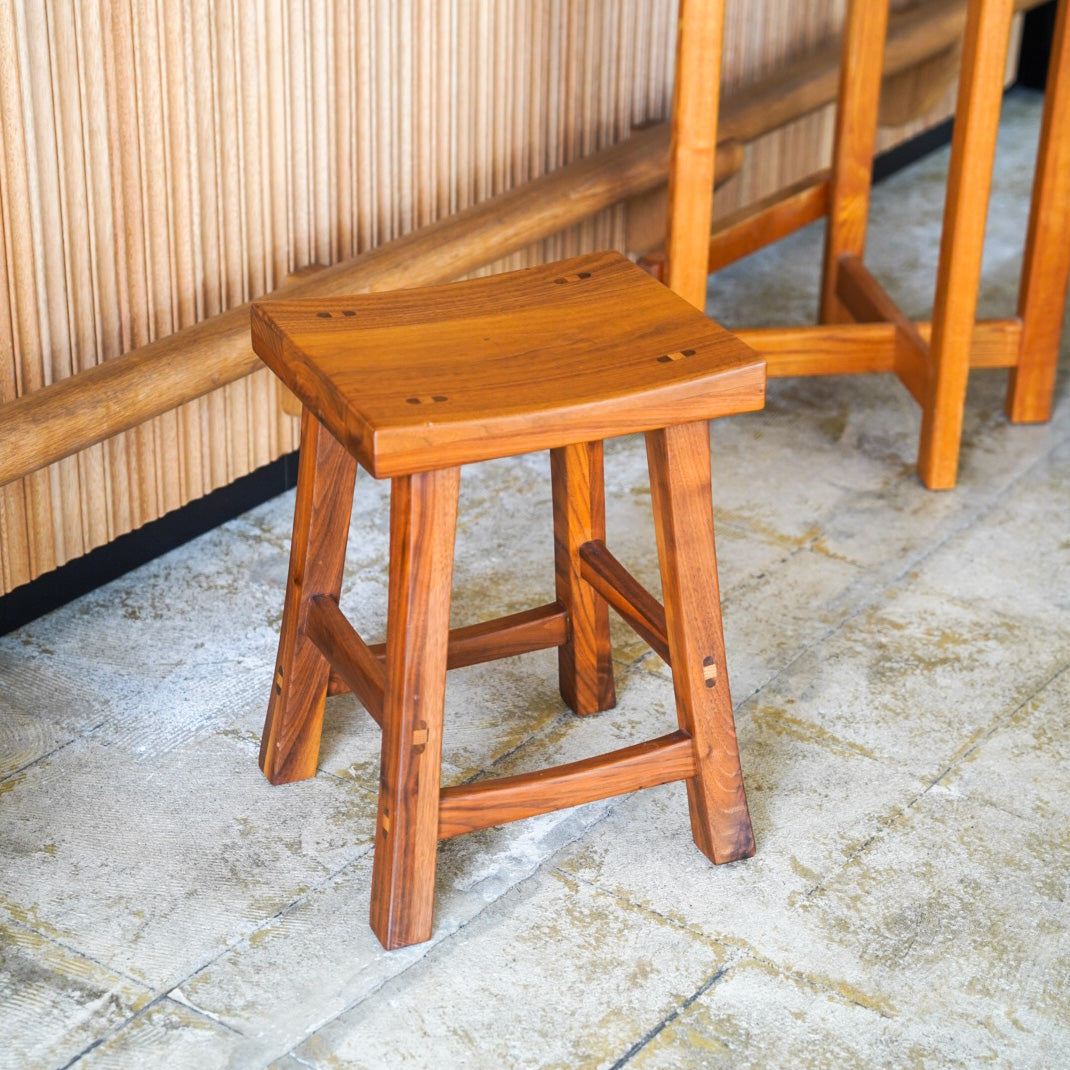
<point x="900" y="664"/>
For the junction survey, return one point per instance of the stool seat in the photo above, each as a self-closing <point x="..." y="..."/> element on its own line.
<point x="413" y="384"/>
<point x="415" y="380"/>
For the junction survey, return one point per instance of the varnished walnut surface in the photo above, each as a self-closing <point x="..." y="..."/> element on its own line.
<point x="419" y="379"/>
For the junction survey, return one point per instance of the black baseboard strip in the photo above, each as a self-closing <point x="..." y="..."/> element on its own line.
<point x="106" y="563"/>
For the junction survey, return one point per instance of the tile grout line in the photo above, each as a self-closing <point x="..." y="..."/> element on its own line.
<point x="882" y="585"/>
<point x="435" y="944"/>
<point x="120" y="1026"/>
<point x="956" y="761"/>
<point x="643" y="1041"/>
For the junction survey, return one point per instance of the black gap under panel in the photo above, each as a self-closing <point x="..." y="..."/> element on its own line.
<point x="127" y="552"/>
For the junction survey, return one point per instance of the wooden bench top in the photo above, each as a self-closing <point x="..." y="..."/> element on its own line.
<point x="580" y="350"/>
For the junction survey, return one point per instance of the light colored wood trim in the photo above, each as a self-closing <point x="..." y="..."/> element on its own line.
<point x="855" y="138"/>
<point x="696" y="99"/>
<point x="973" y="148"/>
<point x="1046" y="264"/>
<point x="858" y="348"/>
<point x="866" y="301"/>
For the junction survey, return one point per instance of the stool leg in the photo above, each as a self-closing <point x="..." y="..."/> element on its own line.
<point x="1046" y="264"/>
<point x="969" y="182"/>
<point x="423" y="523"/>
<point x="679" y="459"/>
<point x="858" y="99"/>
<point x="585" y="664"/>
<point x="289" y="747"/>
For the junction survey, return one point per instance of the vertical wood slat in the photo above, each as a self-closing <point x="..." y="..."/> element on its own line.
<point x="694" y="144"/>
<point x="973" y="150"/>
<point x="166" y="159"/>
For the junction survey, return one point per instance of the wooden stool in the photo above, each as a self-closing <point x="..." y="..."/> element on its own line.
<point x="411" y="385"/>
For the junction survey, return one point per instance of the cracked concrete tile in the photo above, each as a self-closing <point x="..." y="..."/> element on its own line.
<point x="1018" y="562"/>
<point x="154" y="868"/>
<point x="24" y="739"/>
<point x="1024" y="765"/>
<point x="39" y="685"/>
<point x="790" y="607"/>
<point x="955" y="918"/>
<point x="55" y="1003"/>
<point x="168" y="1034"/>
<point x="757" y="1017"/>
<point x="554" y="974"/>
<point x="316" y="960"/>
<point x="915" y="680"/>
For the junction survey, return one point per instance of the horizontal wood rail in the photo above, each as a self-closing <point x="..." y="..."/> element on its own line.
<point x="58" y="420"/>
<point x="757" y="225"/>
<point x="626" y="595"/>
<point x="351" y="659"/>
<point x="52" y="423"/>
<point x="853" y="348"/>
<point x="517" y="633"/>
<point x="768" y="220"/>
<point x="494" y="802"/>
<point x="868" y="302"/>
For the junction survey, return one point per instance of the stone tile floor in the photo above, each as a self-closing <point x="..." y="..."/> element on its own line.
<point x="901" y="669"/>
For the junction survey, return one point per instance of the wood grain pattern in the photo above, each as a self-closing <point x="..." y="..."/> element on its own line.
<point x="180" y="159"/>
<point x="973" y="148"/>
<point x="1046" y="264"/>
<point x="692" y="151"/>
<point x="858" y="99"/>
<point x="495" y="802"/>
<point x="294" y="157"/>
<point x="79" y="411"/>
<point x="584" y="660"/>
<point x="866" y="301"/>
<point x="517" y="363"/>
<point x="348" y="655"/>
<point x="679" y="459"/>
<point x="423" y="521"/>
<point x="289" y="747"/>
<point x="849" y="348"/>
<point x="626" y="595"/>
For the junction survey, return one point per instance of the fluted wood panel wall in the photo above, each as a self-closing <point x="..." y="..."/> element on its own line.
<point x="163" y="160"/>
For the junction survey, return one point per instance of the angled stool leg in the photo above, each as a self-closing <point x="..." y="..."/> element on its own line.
<point x="289" y="747"/>
<point x="423" y="523"/>
<point x="679" y="459"/>
<point x="1046" y="267"/>
<point x="973" y="152"/>
<point x="585" y="666"/>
